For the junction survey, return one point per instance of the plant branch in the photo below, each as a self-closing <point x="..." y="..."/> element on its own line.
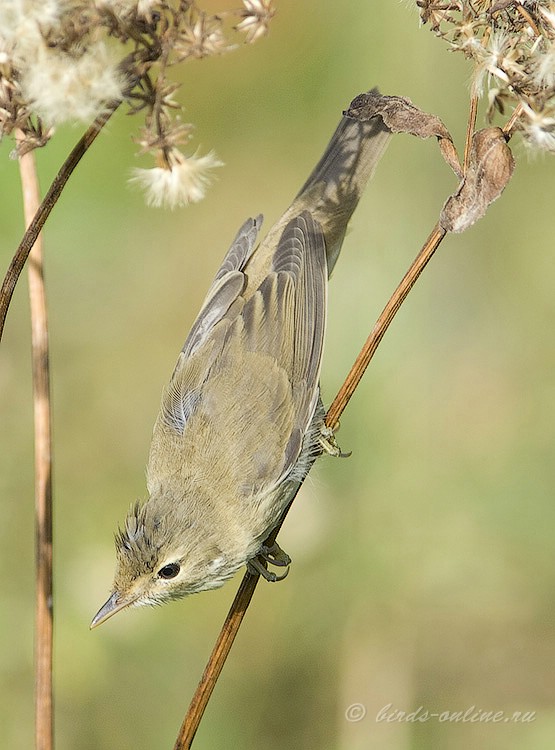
<point x="217" y="660"/>
<point x="43" y="211"/>
<point x="382" y="324"/>
<point x="511" y="124"/>
<point x="471" y="126"/>
<point x="43" y="463"/>
<point x="222" y="648"/>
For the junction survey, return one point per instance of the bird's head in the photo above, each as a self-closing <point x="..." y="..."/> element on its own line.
<point x="162" y="556"/>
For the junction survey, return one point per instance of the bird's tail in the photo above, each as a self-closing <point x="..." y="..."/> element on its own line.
<point x="336" y="183"/>
<point x="334" y="187"/>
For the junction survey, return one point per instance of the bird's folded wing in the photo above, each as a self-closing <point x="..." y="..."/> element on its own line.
<point x="253" y="371"/>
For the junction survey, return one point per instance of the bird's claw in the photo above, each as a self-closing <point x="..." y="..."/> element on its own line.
<point x="273" y="555"/>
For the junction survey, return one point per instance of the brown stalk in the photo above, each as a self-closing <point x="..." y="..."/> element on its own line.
<point x="30" y="247"/>
<point x="510" y="125"/>
<point x="220" y="652"/>
<point x="43" y="211"/>
<point x="528" y="18"/>
<point x="470" y="128"/>
<point x="248" y="584"/>
<point x="217" y="660"/>
<point x="43" y="463"/>
<point x="382" y="324"/>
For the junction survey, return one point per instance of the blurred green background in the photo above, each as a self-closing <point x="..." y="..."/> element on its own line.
<point x="423" y="567"/>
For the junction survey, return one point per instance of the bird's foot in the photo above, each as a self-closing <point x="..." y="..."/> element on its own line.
<point x="273" y="555"/>
<point x="329" y="443"/>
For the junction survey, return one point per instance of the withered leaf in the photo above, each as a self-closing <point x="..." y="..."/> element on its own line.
<point x="401" y="116"/>
<point x="490" y="167"/>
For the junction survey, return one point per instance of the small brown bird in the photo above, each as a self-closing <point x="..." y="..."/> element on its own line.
<point x="241" y="420"/>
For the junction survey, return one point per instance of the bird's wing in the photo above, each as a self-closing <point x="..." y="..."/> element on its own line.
<point x="286" y="317"/>
<point x="226" y="287"/>
<point x="252" y="380"/>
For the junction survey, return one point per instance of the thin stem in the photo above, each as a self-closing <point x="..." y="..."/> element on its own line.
<point x="382" y="324"/>
<point x="471" y="126"/>
<point x="43" y="464"/>
<point x="509" y="126"/>
<point x="248" y="584"/>
<point x="217" y="660"/>
<point x="43" y="211"/>
<point x="528" y="18"/>
<point x="221" y="650"/>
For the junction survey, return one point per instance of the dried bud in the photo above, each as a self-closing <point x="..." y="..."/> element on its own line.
<point x="490" y="167"/>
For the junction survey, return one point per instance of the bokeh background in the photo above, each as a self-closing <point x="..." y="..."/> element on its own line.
<point x="423" y="567"/>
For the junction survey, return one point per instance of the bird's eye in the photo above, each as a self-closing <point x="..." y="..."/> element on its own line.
<point x="169" y="571"/>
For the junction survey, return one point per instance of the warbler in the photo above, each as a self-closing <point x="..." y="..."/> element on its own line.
<point x="241" y="420"/>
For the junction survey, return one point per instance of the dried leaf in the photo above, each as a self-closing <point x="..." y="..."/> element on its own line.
<point x="490" y="167"/>
<point x="401" y="116"/>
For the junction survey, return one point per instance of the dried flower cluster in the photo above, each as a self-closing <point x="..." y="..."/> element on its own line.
<point x="71" y="60"/>
<point x="512" y="45"/>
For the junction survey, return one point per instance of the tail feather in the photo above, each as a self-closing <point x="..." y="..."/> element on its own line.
<point x="334" y="187"/>
<point x="337" y="182"/>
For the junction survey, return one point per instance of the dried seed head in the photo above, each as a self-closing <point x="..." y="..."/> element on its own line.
<point x="179" y="181"/>
<point x="256" y="18"/>
<point x="59" y="62"/>
<point x="61" y="88"/>
<point x="512" y="46"/>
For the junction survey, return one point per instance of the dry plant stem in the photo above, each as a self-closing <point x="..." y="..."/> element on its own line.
<point x="248" y="584"/>
<point x="43" y="211"/>
<point x="220" y="651"/>
<point x="509" y="127"/>
<point x="216" y="661"/>
<point x="382" y="324"/>
<point x="524" y="13"/>
<point x="43" y="465"/>
<point x="471" y="126"/>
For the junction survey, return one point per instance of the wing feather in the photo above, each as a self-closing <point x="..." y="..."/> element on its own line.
<point x="285" y="319"/>
<point x="227" y="286"/>
<point x="250" y="367"/>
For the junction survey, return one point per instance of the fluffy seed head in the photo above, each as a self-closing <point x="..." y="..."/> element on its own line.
<point x="180" y="181"/>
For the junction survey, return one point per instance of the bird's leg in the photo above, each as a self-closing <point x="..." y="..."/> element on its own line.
<point x="273" y="555"/>
<point x="329" y="443"/>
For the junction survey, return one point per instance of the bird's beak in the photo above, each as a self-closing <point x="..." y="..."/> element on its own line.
<point x="114" y="604"/>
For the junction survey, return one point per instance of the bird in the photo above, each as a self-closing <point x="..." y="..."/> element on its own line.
<point x="241" y="421"/>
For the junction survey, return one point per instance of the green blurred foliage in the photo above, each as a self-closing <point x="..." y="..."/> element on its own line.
<point x="423" y="566"/>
